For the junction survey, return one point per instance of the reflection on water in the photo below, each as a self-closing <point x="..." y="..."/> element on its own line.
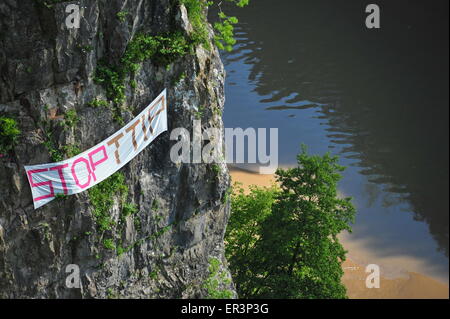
<point x="378" y="98"/>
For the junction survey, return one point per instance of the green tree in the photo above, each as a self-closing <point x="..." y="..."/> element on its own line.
<point x="244" y="230"/>
<point x="295" y="252"/>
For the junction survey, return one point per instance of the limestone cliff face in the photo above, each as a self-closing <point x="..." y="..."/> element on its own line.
<point x="46" y="70"/>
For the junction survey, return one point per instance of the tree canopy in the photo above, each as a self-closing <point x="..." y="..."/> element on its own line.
<point x="281" y="242"/>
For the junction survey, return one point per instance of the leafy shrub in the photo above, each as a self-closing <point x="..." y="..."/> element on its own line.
<point x="102" y="199"/>
<point x="112" y="80"/>
<point x="70" y="119"/>
<point x="161" y="49"/>
<point x="129" y="209"/>
<point x="98" y="103"/>
<point x="196" y="13"/>
<point x="9" y="134"/>
<point x="122" y="16"/>
<point x="224" y="37"/>
<point x="215" y="280"/>
<point x="109" y="244"/>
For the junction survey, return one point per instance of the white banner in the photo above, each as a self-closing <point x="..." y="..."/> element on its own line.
<point x="89" y="168"/>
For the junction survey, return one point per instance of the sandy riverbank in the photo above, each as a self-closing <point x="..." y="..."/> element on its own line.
<point x="405" y="284"/>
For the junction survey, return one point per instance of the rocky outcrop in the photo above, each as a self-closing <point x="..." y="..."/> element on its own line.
<point x="47" y="70"/>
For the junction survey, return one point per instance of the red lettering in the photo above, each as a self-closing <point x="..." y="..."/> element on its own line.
<point x="59" y="168"/>
<point x="95" y="164"/>
<point x="33" y="184"/>
<point x="77" y="181"/>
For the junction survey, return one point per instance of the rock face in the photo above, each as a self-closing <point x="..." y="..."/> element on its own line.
<point x="46" y="70"/>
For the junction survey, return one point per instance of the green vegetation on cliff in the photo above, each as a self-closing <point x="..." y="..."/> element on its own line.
<point x="216" y="279"/>
<point x="163" y="49"/>
<point x="9" y="134"/>
<point x="224" y="35"/>
<point x="102" y="198"/>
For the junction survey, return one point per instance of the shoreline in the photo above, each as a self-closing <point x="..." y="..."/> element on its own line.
<point x="395" y="281"/>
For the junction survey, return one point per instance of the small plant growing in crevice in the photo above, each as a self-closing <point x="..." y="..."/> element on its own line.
<point x="122" y="15"/>
<point x="61" y="196"/>
<point x="120" y="250"/>
<point x="85" y="48"/>
<point x="102" y="199"/>
<point x="155" y="204"/>
<point x="112" y="80"/>
<point x="227" y="194"/>
<point x="70" y="119"/>
<point x="137" y="223"/>
<point x="179" y="78"/>
<point x="50" y="143"/>
<point x="109" y="244"/>
<point x="58" y="153"/>
<point x="215" y="168"/>
<point x="216" y="280"/>
<point x="9" y="135"/>
<point x="199" y="113"/>
<point x="128" y="209"/>
<point x="111" y="293"/>
<point x="71" y="150"/>
<point x="153" y="274"/>
<point x="98" y="103"/>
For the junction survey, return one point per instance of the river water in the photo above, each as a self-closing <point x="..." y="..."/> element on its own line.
<point x="377" y="98"/>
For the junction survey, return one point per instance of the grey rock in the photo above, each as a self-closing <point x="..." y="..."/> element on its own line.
<point x="40" y="60"/>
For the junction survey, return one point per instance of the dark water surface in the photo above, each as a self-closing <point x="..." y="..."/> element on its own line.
<point x="377" y="98"/>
